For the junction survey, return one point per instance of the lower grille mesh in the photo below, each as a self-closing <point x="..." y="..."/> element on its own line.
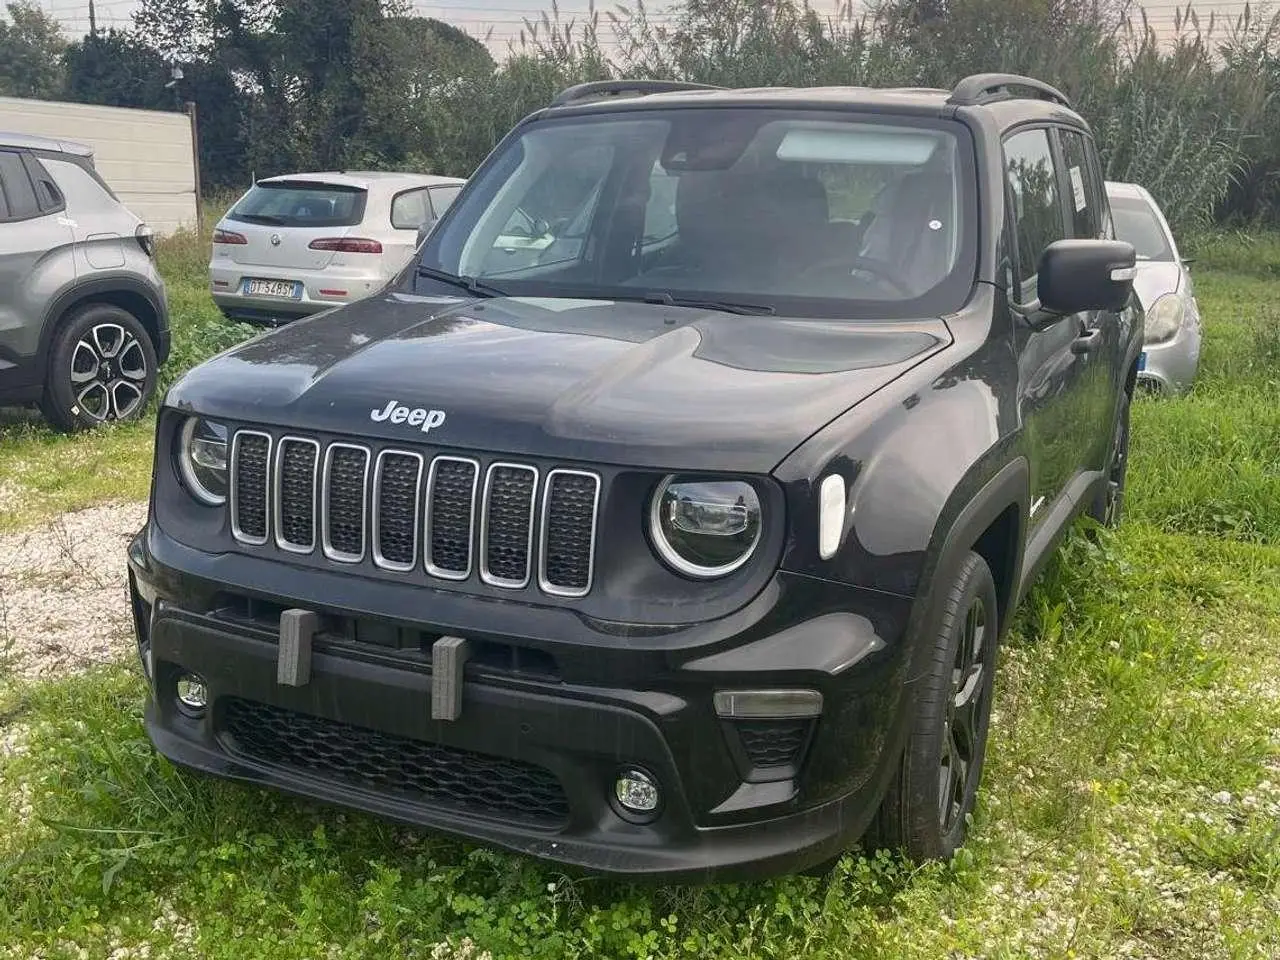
<point x="431" y="773"/>
<point x="773" y="743"/>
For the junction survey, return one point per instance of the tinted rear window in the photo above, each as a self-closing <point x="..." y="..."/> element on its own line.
<point x="301" y="204"/>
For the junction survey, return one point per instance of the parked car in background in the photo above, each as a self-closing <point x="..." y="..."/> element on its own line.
<point x="1163" y="283"/>
<point x="298" y="244"/>
<point x="680" y="543"/>
<point x="84" y="321"/>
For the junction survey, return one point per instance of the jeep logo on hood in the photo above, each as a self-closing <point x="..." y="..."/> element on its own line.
<point x="397" y="412"/>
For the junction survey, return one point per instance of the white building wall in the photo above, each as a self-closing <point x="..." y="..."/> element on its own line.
<point x="145" y="155"/>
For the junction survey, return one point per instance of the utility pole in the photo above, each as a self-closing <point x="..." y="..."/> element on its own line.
<point x="93" y="21"/>
<point x="195" y="155"/>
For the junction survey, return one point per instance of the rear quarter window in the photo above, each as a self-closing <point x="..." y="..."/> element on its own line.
<point x="18" y="200"/>
<point x="301" y="204"/>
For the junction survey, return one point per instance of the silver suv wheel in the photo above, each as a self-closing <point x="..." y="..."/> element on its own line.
<point x="102" y="368"/>
<point x="109" y="372"/>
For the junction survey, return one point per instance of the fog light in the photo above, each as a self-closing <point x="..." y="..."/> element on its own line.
<point x="637" y="791"/>
<point x="191" y="692"/>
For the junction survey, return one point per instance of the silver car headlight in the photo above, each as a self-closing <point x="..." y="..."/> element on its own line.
<point x="202" y="460"/>
<point x="1164" y="319"/>
<point x="704" y="528"/>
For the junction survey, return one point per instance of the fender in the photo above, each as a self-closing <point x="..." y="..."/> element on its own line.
<point x="96" y="287"/>
<point x="1009" y="487"/>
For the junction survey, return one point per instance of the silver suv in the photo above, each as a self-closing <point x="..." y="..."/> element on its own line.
<point x="84" y="323"/>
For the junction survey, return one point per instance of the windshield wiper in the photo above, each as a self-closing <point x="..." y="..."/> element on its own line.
<point x="470" y="284"/>
<point x="266" y="218"/>
<point x="724" y="306"/>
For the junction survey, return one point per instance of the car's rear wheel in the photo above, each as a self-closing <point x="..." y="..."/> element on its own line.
<point x="925" y="811"/>
<point x="1108" y="504"/>
<point x="102" y="368"/>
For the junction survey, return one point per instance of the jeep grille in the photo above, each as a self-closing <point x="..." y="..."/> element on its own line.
<point x="450" y="517"/>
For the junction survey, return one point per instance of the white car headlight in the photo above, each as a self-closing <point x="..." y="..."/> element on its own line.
<point x="1164" y="319"/>
<point x="202" y="460"/>
<point x="705" y="528"/>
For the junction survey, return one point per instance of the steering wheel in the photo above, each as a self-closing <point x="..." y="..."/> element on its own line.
<point x="849" y="265"/>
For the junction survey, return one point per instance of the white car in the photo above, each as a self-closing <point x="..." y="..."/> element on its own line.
<point x="302" y="243"/>
<point x="1171" y="351"/>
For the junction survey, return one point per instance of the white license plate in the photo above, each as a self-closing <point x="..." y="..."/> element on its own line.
<point x="284" y="289"/>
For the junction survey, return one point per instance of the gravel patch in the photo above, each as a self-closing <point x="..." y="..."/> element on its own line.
<point x="63" y="599"/>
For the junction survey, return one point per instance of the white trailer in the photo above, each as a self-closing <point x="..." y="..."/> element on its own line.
<point x="146" y="156"/>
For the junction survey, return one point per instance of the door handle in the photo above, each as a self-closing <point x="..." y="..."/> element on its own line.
<point x="1086" y="341"/>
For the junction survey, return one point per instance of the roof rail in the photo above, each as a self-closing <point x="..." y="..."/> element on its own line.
<point x="986" y="87"/>
<point x="619" y="88"/>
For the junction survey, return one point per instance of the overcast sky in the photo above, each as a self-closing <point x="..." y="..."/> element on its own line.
<point x="502" y="20"/>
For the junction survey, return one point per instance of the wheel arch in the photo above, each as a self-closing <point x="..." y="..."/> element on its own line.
<point x="991" y="523"/>
<point x="124" y="293"/>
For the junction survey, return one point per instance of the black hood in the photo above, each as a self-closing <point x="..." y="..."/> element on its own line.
<point x="637" y="384"/>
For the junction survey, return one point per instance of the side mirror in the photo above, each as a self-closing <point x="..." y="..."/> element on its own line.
<point x="423" y="231"/>
<point x="1080" y="275"/>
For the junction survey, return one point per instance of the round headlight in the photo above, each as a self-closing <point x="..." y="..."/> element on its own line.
<point x="202" y="460"/>
<point x="705" y="528"/>
<point x="1164" y="318"/>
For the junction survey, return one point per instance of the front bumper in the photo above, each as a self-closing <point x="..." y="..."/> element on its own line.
<point x="530" y="763"/>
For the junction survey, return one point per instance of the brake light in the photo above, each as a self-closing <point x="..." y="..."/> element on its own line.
<point x="146" y="238"/>
<point x="228" y="236"/>
<point x="346" y="245"/>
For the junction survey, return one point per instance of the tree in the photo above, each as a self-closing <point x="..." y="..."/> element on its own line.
<point x="31" y="48"/>
<point x="118" y="70"/>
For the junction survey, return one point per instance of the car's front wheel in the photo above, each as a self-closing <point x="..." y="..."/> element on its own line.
<point x="926" y="809"/>
<point x="102" y="368"/>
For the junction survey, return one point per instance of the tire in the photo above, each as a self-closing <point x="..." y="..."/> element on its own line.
<point x="925" y="811"/>
<point x="102" y="368"/>
<point x="1108" y="504"/>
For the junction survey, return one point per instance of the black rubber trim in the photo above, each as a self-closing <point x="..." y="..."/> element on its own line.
<point x="1011" y="485"/>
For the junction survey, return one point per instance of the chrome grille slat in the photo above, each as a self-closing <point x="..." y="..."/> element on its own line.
<point x="345" y="494"/>
<point x="249" y="483"/>
<point x="451" y="517"/>
<point x="506" y="524"/>
<point x="566" y="558"/>
<point x="401" y="511"/>
<point x="397" y="487"/>
<point x="297" y="464"/>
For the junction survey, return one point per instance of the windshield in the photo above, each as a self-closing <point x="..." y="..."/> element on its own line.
<point x="300" y="204"/>
<point x="795" y="211"/>
<point x="1136" y="223"/>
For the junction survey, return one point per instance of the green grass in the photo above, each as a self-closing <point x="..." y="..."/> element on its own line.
<point x="1131" y="806"/>
<point x="44" y="473"/>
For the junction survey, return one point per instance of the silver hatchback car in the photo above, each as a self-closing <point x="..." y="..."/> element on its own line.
<point x="299" y="244"/>
<point x="1163" y="284"/>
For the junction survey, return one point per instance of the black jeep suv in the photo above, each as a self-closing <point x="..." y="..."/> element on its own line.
<point x="664" y="516"/>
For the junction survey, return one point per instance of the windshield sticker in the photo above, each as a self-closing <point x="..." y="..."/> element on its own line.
<point x="1077" y="188"/>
